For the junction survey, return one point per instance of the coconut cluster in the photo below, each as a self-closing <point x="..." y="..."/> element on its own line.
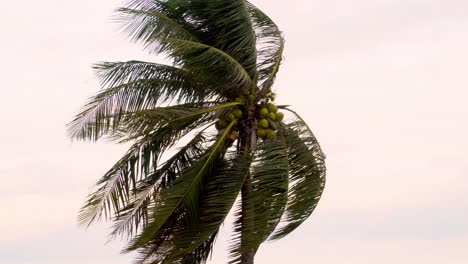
<point x="268" y="119"/>
<point x="265" y="113"/>
<point x="227" y="118"/>
<point x="234" y="115"/>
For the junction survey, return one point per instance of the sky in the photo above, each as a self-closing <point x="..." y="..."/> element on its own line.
<point x="382" y="83"/>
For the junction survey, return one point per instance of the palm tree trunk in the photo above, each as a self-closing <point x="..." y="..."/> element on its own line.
<point x="249" y="142"/>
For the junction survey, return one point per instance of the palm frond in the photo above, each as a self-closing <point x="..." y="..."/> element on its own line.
<point x="200" y="254"/>
<point x="265" y="202"/>
<point x="116" y="186"/>
<point x="133" y="216"/>
<point x="206" y="60"/>
<point x="228" y="27"/>
<point x="307" y="175"/>
<point x="154" y="255"/>
<point x="270" y="47"/>
<point x="182" y="195"/>
<point x="132" y="86"/>
<point x="134" y="125"/>
<point x="223" y="24"/>
<point x="149" y="22"/>
<point x="219" y="194"/>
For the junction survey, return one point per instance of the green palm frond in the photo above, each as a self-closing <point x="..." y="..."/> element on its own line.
<point x="135" y="125"/>
<point x="218" y="197"/>
<point x="265" y="201"/>
<point x="271" y="46"/>
<point x="222" y="24"/>
<point x="116" y="186"/>
<point x="230" y="29"/>
<point x="182" y="196"/>
<point x="206" y="60"/>
<point x="197" y="256"/>
<point x="132" y="86"/>
<point x="149" y="24"/>
<point x="200" y="254"/>
<point x="307" y="175"/>
<point x="133" y="216"/>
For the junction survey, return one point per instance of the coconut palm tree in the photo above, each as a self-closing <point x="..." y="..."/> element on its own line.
<point x="203" y="132"/>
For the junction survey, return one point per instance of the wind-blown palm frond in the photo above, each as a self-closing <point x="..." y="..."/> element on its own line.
<point x="182" y="195"/>
<point x="307" y="175"/>
<point x="218" y="197"/>
<point x="222" y="24"/>
<point x="149" y="24"/>
<point x="132" y="86"/>
<point x="201" y="253"/>
<point x="225" y="25"/>
<point x="141" y="123"/>
<point x="116" y="186"/>
<point x="134" y="216"/>
<point x="271" y="46"/>
<point x="267" y="198"/>
<point x="207" y="60"/>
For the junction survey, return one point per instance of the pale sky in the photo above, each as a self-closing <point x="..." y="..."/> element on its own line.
<point x="383" y="84"/>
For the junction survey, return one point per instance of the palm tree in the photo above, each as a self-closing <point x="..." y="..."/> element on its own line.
<point x="203" y="132"/>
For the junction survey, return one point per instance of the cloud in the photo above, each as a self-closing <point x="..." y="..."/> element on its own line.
<point x="382" y="83"/>
<point x="63" y="245"/>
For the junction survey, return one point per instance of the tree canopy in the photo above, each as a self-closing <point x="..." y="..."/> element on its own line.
<point x="213" y="109"/>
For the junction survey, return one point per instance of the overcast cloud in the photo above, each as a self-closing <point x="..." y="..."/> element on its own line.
<point x="383" y="84"/>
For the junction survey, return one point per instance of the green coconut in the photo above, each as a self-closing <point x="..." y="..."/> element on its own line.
<point x="263" y="123"/>
<point x="240" y="99"/>
<point x="279" y="116"/>
<point x="221" y="124"/>
<point x="272" y="116"/>
<point x="271" y="133"/>
<point x="264" y="112"/>
<point x="246" y="92"/>
<point x="251" y="98"/>
<point x="230" y="117"/>
<point x="237" y="112"/>
<point x="272" y="108"/>
<point x="262" y="133"/>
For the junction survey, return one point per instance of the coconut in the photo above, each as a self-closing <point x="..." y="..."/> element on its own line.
<point x="221" y="124"/>
<point x="237" y="112"/>
<point x="272" y="108"/>
<point x="240" y="99"/>
<point x="272" y="116"/>
<point x="263" y="123"/>
<point x="251" y="98"/>
<point x="279" y="116"/>
<point x="264" y="112"/>
<point x="262" y="133"/>
<point x="271" y="133"/>
<point x="230" y="117"/>
<point x="246" y="92"/>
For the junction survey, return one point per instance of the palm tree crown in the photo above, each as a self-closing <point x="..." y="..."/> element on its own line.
<point x="214" y="110"/>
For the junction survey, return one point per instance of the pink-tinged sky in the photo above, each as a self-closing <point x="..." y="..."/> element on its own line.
<point x="383" y="83"/>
